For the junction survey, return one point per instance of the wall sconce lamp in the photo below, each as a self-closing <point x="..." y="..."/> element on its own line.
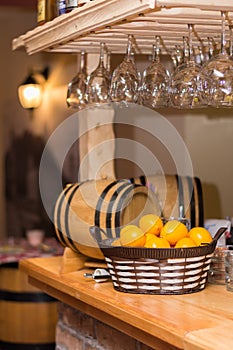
<point x="30" y="92"/>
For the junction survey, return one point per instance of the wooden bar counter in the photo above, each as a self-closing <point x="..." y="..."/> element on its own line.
<point x="197" y="321"/>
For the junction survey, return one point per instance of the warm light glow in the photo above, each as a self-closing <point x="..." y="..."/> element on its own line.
<point x="30" y="95"/>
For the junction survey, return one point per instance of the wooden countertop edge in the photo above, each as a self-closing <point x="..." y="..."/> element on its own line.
<point x="66" y="289"/>
<point x="208" y="339"/>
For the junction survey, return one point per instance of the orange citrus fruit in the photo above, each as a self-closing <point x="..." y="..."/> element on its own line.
<point x="173" y="231"/>
<point x="185" y="242"/>
<point x="157" y="242"/>
<point x="133" y="236"/>
<point x="151" y="223"/>
<point x="200" y="235"/>
<point x="149" y="236"/>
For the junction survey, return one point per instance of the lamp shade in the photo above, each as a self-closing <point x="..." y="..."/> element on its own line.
<point x="30" y="93"/>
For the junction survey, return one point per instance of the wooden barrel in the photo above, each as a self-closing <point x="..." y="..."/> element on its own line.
<point x="179" y="196"/>
<point x="107" y="204"/>
<point x="28" y="317"/>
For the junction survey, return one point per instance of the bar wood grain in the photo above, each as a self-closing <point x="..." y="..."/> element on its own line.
<point x="198" y="321"/>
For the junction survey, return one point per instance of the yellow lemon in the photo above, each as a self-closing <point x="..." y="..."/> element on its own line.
<point x="200" y="235"/>
<point x="157" y="242"/>
<point x="185" y="242"/>
<point x="151" y="223"/>
<point x="149" y="236"/>
<point x="133" y="236"/>
<point x="126" y="228"/>
<point x="173" y="231"/>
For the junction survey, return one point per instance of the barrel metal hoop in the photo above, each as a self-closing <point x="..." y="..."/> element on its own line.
<point x="143" y="180"/>
<point x="66" y="216"/>
<point x="192" y="201"/>
<point x="180" y="196"/>
<point x="26" y="346"/>
<point x="26" y="297"/>
<point x="118" y="210"/>
<point x="58" y="216"/>
<point x="200" y="201"/>
<point x="99" y="205"/>
<point x="132" y="180"/>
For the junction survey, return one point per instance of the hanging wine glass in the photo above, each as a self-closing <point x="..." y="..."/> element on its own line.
<point x="176" y="56"/>
<point x="155" y="82"/>
<point x="77" y="87"/>
<point x="125" y="78"/>
<point x="108" y="64"/>
<point x="200" y="56"/>
<point x="211" y="49"/>
<point x="231" y="42"/>
<point x="188" y="83"/>
<point x="219" y="69"/>
<point x="99" y="82"/>
<point x="205" y="51"/>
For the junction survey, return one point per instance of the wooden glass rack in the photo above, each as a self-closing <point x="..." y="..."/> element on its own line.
<point x="111" y="21"/>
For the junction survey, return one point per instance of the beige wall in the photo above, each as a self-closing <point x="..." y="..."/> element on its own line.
<point x="209" y="138"/>
<point x="208" y="133"/>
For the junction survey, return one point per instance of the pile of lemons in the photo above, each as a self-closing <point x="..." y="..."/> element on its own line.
<point x="152" y="233"/>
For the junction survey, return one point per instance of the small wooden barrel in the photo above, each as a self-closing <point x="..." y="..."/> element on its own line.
<point x="28" y="316"/>
<point x="179" y="196"/>
<point x="108" y="204"/>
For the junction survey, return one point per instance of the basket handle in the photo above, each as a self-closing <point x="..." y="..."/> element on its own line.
<point x="95" y="232"/>
<point x="219" y="233"/>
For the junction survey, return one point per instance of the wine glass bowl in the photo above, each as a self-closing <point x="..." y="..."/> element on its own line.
<point x="125" y="78"/>
<point x="219" y="70"/>
<point x="189" y="87"/>
<point x="154" y="91"/>
<point x="189" y="84"/>
<point x="76" y="92"/>
<point x="99" y="82"/>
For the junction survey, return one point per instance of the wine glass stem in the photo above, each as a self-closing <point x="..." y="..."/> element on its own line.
<point x="129" y="47"/>
<point x="156" y="49"/>
<point x="190" y="43"/>
<point x="223" y="34"/>
<point x="231" y="42"/>
<point x="211" y="47"/>
<point x="82" y="61"/>
<point x="108" y="63"/>
<point x="101" y="54"/>
<point x="185" y="49"/>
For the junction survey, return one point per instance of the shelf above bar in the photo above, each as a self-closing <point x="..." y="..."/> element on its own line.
<point x="112" y="21"/>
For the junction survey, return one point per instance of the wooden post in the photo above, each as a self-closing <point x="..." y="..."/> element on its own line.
<point x="97" y="140"/>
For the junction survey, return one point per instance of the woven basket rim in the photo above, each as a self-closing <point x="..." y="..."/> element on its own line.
<point x="152" y="253"/>
<point x="158" y="253"/>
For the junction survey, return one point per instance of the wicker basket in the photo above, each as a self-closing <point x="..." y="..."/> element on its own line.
<point x="160" y="270"/>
